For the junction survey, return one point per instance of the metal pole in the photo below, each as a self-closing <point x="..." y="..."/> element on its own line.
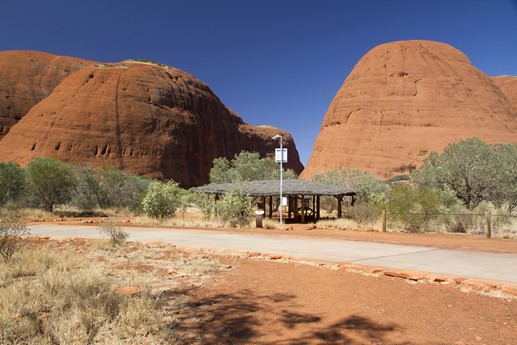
<point x="281" y="177"/>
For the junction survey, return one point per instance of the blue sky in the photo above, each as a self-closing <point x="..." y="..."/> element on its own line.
<point x="277" y="62"/>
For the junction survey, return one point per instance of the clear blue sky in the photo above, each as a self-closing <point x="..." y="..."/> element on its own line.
<point x="275" y="62"/>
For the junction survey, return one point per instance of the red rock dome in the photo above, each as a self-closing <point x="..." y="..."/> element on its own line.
<point x="145" y="118"/>
<point x="403" y="100"/>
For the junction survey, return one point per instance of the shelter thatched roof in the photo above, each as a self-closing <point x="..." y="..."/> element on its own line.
<point x="272" y="188"/>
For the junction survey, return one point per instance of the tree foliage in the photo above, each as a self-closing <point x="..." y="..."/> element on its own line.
<point x="475" y="171"/>
<point x="364" y="183"/>
<point x="51" y="181"/>
<point x="108" y="188"/>
<point x="246" y="166"/>
<point x="162" y="199"/>
<point x="12" y="182"/>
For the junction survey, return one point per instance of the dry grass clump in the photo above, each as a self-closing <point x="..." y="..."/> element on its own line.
<point x="183" y="222"/>
<point x="339" y="223"/>
<point x="51" y="295"/>
<point x="270" y="224"/>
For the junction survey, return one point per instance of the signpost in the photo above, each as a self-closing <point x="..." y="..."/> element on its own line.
<point x="280" y="157"/>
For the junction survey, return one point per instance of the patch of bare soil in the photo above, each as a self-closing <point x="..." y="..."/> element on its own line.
<point x="261" y="302"/>
<point x="222" y="299"/>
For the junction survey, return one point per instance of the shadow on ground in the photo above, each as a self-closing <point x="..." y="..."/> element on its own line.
<point x="244" y="318"/>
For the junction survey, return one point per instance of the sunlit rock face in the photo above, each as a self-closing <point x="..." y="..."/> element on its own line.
<point x="405" y="99"/>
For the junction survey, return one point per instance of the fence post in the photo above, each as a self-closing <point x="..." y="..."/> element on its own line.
<point x="488" y="225"/>
<point x="383" y="220"/>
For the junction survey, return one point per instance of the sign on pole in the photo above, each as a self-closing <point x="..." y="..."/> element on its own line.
<point x="279" y="157"/>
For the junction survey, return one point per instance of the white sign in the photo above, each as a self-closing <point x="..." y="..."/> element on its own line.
<point x="259" y="212"/>
<point x="279" y="157"/>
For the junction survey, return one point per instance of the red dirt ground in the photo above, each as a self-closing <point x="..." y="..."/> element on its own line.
<point x="264" y="302"/>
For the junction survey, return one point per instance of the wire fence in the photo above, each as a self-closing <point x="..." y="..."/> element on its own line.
<point x="485" y="224"/>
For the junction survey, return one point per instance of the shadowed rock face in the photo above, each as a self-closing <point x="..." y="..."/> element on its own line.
<point x="146" y="119"/>
<point x="26" y="77"/>
<point x="403" y="100"/>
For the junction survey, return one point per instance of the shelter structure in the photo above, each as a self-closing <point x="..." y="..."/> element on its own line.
<point x="303" y="197"/>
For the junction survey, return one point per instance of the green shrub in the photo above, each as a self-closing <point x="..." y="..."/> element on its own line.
<point x="413" y="208"/>
<point x="206" y="204"/>
<point x="364" y="213"/>
<point x="12" y="182"/>
<point x="122" y="190"/>
<point x="162" y="199"/>
<point x="235" y="207"/>
<point x="51" y="181"/>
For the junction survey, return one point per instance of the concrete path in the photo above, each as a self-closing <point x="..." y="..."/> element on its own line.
<point x="499" y="267"/>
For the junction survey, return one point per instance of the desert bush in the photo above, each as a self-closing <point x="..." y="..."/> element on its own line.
<point x="162" y="199"/>
<point x="235" y="207"/>
<point x="114" y="231"/>
<point x="51" y="181"/>
<point x="206" y="204"/>
<point x="12" y="182"/>
<point x="120" y="189"/>
<point x="12" y="235"/>
<point x="413" y="208"/>
<point x="365" y="213"/>
<point x="87" y="194"/>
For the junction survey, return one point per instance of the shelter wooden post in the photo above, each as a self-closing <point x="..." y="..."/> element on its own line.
<point x="270" y="207"/>
<point x="296" y="208"/>
<point x="303" y="209"/>
<point x="383" y="221"/>
<point x="339" y="204"/>
<point x="289" y="206"/>
<point x="317" y="207"/>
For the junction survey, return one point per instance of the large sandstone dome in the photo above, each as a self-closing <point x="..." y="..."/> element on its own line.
<point x="403" y="100"/>
<point x="26" y="77"/>
<point x="145" y="118"/>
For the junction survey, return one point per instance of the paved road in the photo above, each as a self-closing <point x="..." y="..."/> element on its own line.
<point x="500" y="267"/>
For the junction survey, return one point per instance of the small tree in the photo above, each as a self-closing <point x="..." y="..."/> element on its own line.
<point x="162" y="199"/>
<point x="246" y="166"/>
<point x="12" y="235"/>
<point x="12" y="182"/>
<point x="51" y="181"/>
<point x="475" y="171"/>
